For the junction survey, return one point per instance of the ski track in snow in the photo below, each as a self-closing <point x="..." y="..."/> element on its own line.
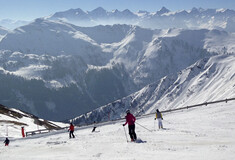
<point x="199" y="133"/>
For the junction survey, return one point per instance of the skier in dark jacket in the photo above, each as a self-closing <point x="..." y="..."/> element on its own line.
<point x="7" y="141"/>
<point x="93" y="130"/>
<point x="71" y="130"/>
<point x="130" y="119"/>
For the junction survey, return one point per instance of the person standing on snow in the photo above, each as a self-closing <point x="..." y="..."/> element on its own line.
<point x="130" y="119"/>
<point x="159" y="118"/>
<point x="71" y="130"/>
<point x="7" y="141"/>
<point x="93" y="130"/>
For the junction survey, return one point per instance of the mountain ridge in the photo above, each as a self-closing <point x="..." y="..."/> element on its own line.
<point x="83" y="68"/>
<point x="196" y="18"/>
<point x="187" y="87"/>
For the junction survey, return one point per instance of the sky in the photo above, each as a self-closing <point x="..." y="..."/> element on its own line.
<point x="31" y="9"/>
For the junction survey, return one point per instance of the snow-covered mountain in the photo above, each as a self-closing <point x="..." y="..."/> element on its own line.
<point x="11" y="121"/>
<point x="3" y="32"/>
<point x="208" y="79"/>
<point x="49" y="65"/>
<point x="45" y="37"/>
<point x="98" y="16"/>
<point x="56" y="87"/>
<point x="12" y="24"/>
<point x="196" y="18"/>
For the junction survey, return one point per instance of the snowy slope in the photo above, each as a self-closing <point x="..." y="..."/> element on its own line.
<point x="209" y="79"/>
<point x="11" y="121"/>
<point x="202" y="133"/>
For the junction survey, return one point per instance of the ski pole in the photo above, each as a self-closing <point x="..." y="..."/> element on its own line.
<point x="143" y="127"/>
<point x="75" y="134"/>
<point x="125" y="134"/>
<point x="154" y="125"/>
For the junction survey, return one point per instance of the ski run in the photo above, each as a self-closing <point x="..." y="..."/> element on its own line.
<point x="202" y="133"/>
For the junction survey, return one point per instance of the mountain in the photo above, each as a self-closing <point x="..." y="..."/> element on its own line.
<point x="207" y="80"/>
<point x="13" y="119"/>
<point x="99" y="13"/>
<point x="12" y="24"/>
<point x="162" y="11"/>
<point x="95" y="17"/>
<point x="60" y="37"/>
<point x="70" y="15"/>
<point x="49" y="65"/>
<point x="196" y="18"/>
<point x="3" y="32"/>
<point x="55" y="88"/>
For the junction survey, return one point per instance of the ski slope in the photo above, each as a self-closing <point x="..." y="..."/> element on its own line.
<point x="206" y="132"/>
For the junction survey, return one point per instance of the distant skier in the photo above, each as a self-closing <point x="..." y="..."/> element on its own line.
<point x="159" y="118"/>
<point x="130" y="119"/>
<point x="71" y="130"/>
<point x="93" y="130"/>
<point x="7" y="141"/>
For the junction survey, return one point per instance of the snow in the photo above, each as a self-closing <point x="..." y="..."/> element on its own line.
<point x="209" y="79"/>
<point x="31" y="71"/>
<point x="12" y="130"/>
<point x="196" y="18"/>
<point x="139" y="49"/>
<point x="204" y="60"/>
<point x="200" y="133"/>
<point x="12" y="120"/>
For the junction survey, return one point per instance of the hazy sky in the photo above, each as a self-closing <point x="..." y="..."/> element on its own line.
<point x="31" y="9"/>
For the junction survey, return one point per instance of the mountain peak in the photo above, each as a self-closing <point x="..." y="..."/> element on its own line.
<point x="39" y="20"/>
<point x="127" y="10"/>
<point x="163" y="10"/>
<point x="98" y="13"/>
<point x="194" y="10"/>
<point x="116" y="11"/>
<point x="99" y="9"/>
<point x="70" y="12"/>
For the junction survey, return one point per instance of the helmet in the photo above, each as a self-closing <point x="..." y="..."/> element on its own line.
<point x="127" y="111"/>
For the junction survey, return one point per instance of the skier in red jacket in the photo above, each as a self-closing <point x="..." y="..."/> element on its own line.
<point x="71" y="130"/>
<point x="130" y="119"/>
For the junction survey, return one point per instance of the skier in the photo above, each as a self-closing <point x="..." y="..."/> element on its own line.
<point x="130" y="119"/>
<point x="71" y="130"/>
<point x="93" y="130"/>
<point x="7" y="141"/>
<point x="159" y="118"/>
